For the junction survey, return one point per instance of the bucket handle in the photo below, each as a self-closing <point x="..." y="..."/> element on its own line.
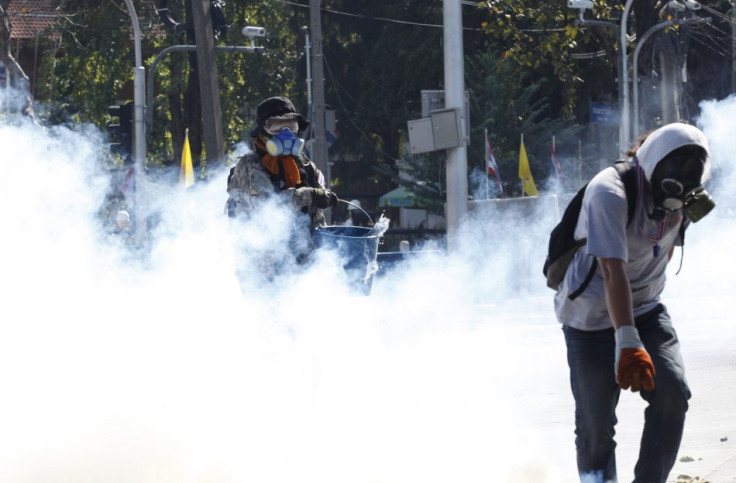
<point x="359" y="208"/>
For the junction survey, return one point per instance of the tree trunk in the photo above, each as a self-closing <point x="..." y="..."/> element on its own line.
<point x="14" y="73"/>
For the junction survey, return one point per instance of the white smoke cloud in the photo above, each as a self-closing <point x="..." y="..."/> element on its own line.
<point x="167" y="369"/>
<point x="116" y="367"/>
<point x="705" y="259"/>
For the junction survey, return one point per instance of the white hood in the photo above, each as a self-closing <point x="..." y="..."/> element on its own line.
<point x="665" y="140"/>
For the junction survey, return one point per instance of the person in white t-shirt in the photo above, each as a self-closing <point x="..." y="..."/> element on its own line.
<point x="618" y="333"/>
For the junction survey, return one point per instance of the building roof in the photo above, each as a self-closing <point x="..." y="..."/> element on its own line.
<point x="28" y="18"/>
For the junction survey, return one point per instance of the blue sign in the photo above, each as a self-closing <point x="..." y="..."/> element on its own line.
<point x="603" y="114"/>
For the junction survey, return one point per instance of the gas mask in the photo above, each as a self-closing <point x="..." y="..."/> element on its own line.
<point x="284" y="143"/>
<point x="676" y="186"/>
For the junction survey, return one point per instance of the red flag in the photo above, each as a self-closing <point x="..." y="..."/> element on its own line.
<point x="128" y="182"/>
<point x="491" y="164"/>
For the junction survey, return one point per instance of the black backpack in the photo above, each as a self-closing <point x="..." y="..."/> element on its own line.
<point x="562" y="242"/>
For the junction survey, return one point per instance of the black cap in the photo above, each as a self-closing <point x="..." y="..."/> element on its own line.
<point x="277" y="108"/>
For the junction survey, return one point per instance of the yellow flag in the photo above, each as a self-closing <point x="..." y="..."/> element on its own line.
<point x="525" y="174"/>
<point x="403" y="144"/>
<point x="186" y="174"/>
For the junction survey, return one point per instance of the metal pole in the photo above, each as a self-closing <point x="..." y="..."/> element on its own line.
<point x="318" y="121"/>
<point x="457" y="158"/>
<point x="139" y="132"/>
<point x="485" y="162"/>
<point x="635" y="61"/>
<point x="308" y="48"/>
<point x="733" y="50"/>
<point x="624" y="130"/>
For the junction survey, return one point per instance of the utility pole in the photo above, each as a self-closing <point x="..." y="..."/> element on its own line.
<point x="457" y="158"/>
<point x="624" y="133"/>
<point x="318" y="119"/>
<point x="139" y="129"/>
<point x="307" y="48"/>
<point x="208" y="86"/>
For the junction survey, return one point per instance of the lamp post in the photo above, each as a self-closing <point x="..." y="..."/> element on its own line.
<point x="139" y="133"/>
<point x="625" y="118"/>
<point x="624" y="127"/>
<point x="456" y="168"/>
<point x="640" y="44"/>
<point x="249" y="49"/>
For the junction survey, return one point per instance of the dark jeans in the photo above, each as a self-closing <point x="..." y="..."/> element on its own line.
<point x="590" y="355"/>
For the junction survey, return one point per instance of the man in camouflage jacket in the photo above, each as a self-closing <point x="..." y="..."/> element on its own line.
<point x="277" y="166"/>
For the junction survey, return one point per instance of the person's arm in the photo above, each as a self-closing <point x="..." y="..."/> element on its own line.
<point x="618" y="291"/>
<point x="633" y="366"/>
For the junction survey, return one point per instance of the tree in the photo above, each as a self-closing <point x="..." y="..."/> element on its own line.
<point x="14" y="73"/>
<point x="92" y="65"/>
<point x="528" y="65"/>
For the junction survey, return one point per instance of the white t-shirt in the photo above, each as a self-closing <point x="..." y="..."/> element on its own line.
<point x="603" y="221"/>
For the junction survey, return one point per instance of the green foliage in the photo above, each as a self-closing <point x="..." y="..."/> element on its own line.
<point x="378" y="56"/>
<point x="92" y="61"/>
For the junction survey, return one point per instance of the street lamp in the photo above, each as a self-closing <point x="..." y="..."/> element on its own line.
<point x="624" y="128"/>
<point x="250" y="32"/>
<point x="640" y="43"/>
<point x="624" y="121"/>
<point x="139" y="133"/>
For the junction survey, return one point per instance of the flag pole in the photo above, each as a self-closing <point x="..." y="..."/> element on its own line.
<point x="522" y="179"/>
<point x="556" y="166"/>
<point x="186" y="171"/>
<point x="580" y="163"/>
<point x="557" y="171"/>
<point x="485" y="167"/>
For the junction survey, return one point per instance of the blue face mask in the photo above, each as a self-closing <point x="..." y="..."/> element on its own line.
<point x="285" y="143"/>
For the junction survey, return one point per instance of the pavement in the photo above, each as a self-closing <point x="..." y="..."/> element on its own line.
<point x="708" y="449"/>
<point x="708" y="339"/>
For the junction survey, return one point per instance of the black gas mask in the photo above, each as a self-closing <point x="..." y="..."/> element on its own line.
<point x="676" y="185"/>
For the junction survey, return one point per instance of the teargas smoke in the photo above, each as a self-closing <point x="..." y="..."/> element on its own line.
<point x="164" y="367"/>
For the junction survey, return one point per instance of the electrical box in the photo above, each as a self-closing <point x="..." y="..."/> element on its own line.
<point x="446" y="128"/>
<point x="421" y="138"/>
<point x="434" y="100"/>
<point x="442" y="130"/>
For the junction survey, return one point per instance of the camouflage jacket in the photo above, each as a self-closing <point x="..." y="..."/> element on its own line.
<point x="249" y="181"/>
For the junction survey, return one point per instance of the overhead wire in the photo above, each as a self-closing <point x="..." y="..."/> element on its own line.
<point x="696" y="35"/>
<point x="363" y="134"/>
<point x="332" y="77"/>
<point x="381" y="19"/>
<point x="709" y="41"/>
<point x="716" y="13"/>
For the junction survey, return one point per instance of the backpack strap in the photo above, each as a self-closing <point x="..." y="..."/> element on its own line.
<point x="627" y="174"/>
<point x="628" y="177"/>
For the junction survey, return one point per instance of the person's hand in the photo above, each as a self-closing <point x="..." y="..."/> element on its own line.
<point x="634" y="367"/>
<point x="324" y="198"/>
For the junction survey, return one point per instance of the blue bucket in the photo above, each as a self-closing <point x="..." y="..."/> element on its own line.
<point x="357" y="246"/>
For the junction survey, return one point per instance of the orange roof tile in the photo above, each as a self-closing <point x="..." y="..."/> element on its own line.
<point x="29" y="18"/>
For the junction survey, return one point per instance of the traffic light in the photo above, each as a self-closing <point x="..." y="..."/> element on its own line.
<point x="120" y="131"/>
